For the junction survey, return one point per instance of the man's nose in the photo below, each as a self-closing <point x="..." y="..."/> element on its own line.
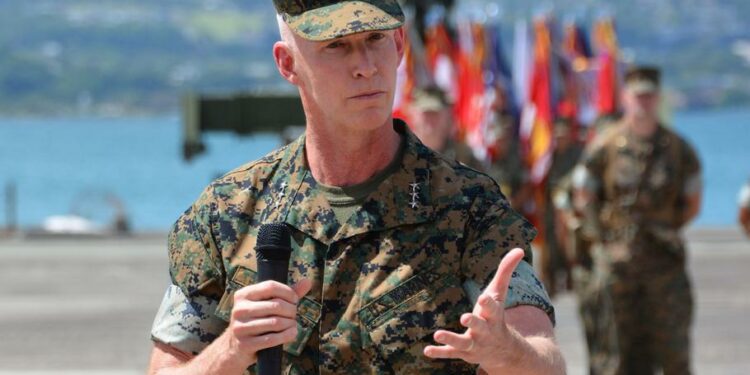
<point x="364" y="63"/>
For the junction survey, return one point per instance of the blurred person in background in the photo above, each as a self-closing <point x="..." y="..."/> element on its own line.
<point x="432" y="123"/>
<point x="744" y="210"/>
<point x="641" y="184"/>
<point x="553" y="259"/>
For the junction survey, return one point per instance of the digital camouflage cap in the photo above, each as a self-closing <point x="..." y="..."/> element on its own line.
<point x="320" y="20"/>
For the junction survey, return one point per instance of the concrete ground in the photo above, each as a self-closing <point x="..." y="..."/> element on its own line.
<point x="85" y="306"/>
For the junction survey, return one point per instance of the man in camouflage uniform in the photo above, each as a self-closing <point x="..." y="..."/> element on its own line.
<point x="505" y="164"/>
<point x="594" y="304"/>
<point x="431" y="122"/>
<point x="392" y="244"/>
<point x="643" y="185"/>
<point x="744" y="211"/>
<point x="554" y="262"/>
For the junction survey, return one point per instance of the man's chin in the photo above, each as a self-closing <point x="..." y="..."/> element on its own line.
<point x="370" y="119"/>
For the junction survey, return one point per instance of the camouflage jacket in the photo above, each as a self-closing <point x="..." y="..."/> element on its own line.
<point x="509" y="172"/>
<point x="404" y="265"/>
<point x="641" y="186"/>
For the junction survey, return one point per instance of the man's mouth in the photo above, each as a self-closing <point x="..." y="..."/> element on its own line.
<point x="369" y="95"/>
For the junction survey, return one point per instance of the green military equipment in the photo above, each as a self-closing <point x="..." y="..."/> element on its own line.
<point x="240" y="113"/>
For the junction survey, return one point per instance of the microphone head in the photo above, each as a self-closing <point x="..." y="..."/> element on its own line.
<point x="273" y="242"/>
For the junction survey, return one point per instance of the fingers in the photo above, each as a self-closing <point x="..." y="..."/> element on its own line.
<point x="257" y="327"/>
<point x="491" y="302"/>
<point x="264" y="315"/>
<point x="267" y="290"/>
<point x="254" y="344"/>
<point x="439" y="352"/>
<point x="269" y="299"/>
<point x="246" y="310"/>
<point x="490" y="308"/>
<point x="475" y="323"/>
<point x="499" y="283"/>
<point x="462" y="342"/>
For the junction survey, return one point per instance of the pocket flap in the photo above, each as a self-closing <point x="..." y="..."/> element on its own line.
<point x="308" y="311"/>
<point x="413" y="289"/>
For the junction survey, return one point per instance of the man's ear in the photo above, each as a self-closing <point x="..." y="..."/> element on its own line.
<point x="400" y="38"/>
<point x="282" y="55"/>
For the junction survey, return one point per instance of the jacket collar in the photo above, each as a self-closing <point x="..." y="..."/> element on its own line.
<point x="402" y="199"/>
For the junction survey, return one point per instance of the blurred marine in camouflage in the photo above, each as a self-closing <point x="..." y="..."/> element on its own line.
<point x="403" y="260"/>
<point x="744" y="210"/>
<point x="431" y="122"/>
<point x="554" y="261"/>
<point x="642" y="185"/>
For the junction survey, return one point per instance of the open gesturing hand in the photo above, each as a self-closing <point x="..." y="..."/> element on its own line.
<point x="487" y="340"/>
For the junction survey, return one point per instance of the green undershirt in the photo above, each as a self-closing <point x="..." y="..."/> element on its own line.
<point x="347" y="199"/>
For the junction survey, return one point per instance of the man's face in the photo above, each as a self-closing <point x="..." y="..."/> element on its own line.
<point x="432" y="127"/>
<point x="641" y="105"/>
<point x="350" y="81"/>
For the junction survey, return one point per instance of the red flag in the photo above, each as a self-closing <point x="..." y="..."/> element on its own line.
<point x="605" y="41"/>
<point x="440" y="59"/>
<point x="405" y="82"/>
<point x="470" y="100"/>
<point x="536" y="127"/>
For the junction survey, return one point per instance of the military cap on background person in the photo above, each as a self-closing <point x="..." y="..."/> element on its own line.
<point x="430" y="98"/>
<point x="643" y="79"/>
<point x="432" y="123"/>
<point x="320" y="20"/>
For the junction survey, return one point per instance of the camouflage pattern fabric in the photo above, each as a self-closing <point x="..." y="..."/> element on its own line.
<point x="596" y="312"/>
<point x="403" y="266"/>
<point x="321" y="20"/>
<point x="642" y="187"/>
<point x="509" y="172"/>
<point x="588" y="284"/>
<point x="553" y="260"/>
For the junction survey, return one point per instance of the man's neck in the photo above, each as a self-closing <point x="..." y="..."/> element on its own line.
<point x="642" y="127"/>
<point x="343" y="159"/>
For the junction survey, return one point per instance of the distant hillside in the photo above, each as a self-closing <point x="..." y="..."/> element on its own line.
<point x="118" y="57"/>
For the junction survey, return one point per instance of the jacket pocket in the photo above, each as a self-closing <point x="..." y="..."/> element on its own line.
<point x="308" y="310"/>
<point x="401" y="322"/>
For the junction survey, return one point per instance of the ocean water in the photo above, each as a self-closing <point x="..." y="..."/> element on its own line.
<point x="63" y="166"/>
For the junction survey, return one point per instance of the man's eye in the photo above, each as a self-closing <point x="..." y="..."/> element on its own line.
<point x="377" y="36"/>
<point x="334" y="45"/>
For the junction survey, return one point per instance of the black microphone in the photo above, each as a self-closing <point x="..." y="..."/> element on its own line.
<point x="272" y="252"/>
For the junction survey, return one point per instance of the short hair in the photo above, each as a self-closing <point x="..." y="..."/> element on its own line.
<point x="285" y="33"/>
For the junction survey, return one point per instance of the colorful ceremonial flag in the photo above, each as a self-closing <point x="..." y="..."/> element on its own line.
<point x="522" y="58"/>
<point x="471" y="105"/>
<point x="538" y="115"/>
<point x="440" y="55"/>
<point x="411" y="74"/>
<point x="605" y="41"/>
<point x="579" y="99"/>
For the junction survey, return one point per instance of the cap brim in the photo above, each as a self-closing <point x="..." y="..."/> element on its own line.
<point x="642" y="87"/>
<point x="429" y="105"/>
<point x="341" y="19"/>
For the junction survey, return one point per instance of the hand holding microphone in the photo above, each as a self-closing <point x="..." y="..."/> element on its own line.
<point x="264" y="314"/>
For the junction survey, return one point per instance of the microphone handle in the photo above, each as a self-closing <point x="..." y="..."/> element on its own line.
<point x="269" y="360"/>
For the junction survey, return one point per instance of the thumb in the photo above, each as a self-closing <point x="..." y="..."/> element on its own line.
<point x="302" y="287"/>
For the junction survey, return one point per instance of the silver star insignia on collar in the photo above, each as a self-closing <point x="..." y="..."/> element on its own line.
<point x="414" y="195"/>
